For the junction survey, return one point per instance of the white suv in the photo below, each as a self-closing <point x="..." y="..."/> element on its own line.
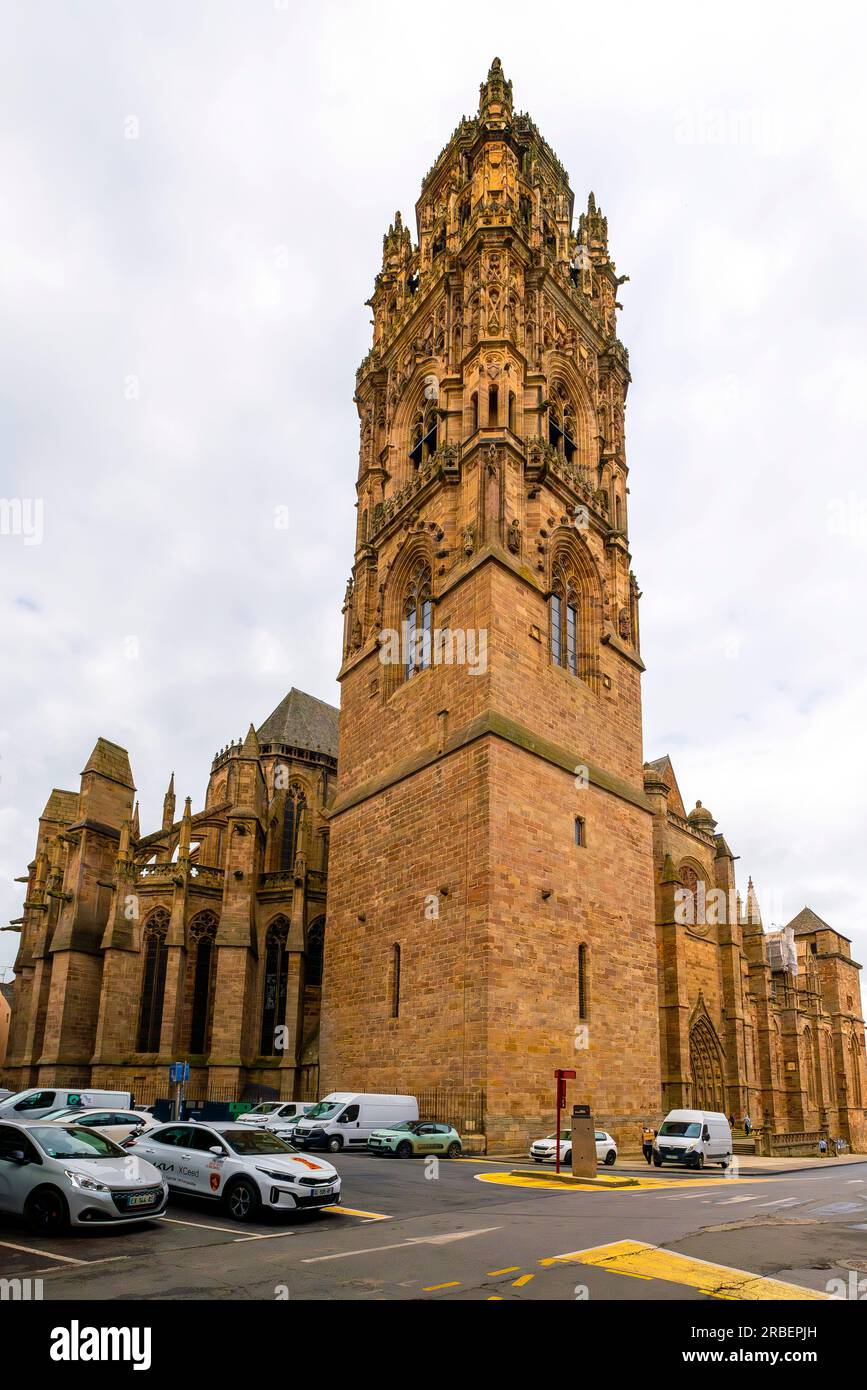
<point x="244" y="1168"/>
<point x="542" y="1150"/>
<point x="61" y="1175"/>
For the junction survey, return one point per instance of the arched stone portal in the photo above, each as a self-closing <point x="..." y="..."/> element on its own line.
<point x="706" y="1066"/>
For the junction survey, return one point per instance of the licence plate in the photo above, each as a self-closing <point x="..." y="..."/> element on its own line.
<point x="141" y="1199"/>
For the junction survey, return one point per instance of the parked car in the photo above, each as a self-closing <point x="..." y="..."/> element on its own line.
<point x="37" y="1101"/>
<point x="114" y="1124"/>
<point x="346" y="1119"/>
<point x="692" y="1138"/>
<point x="242" y="1167"/>
<point x="412" y="1137"/>
<point x="542" y="1150"/>
<point x="270" y="1112"/>
<point x="61" y="1175"/>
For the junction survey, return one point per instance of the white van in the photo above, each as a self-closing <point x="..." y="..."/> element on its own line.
<point x="37" y="1101"/>
<point x="345" y="1119"/>
<point x="693" y="1137"/>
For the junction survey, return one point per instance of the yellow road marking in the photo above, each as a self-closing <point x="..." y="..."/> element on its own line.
<point x="351" y="1211"/>
<point x="652" y="1262"/>
<point x="524" y="1279"/>
<point x="432" y="1288"/>
<point x="641" y="1184"/>
<point x="495" y="1298"/>
<point x="513" y="1269"/>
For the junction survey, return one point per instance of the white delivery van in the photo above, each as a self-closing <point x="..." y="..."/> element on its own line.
<point x="694" y="1138"/>
<point x="37" y="1101"/>
<point x="345" y="1119"/>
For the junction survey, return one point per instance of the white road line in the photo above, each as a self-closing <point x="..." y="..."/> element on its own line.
<point x="272" y="1235"/>
<point x="729" y="1201"/>
<point x="683" y="1197"/>
<point x="783" y="1202"/>
<point x="199" y="1225"/>
<point x="445" y="1239"/>
<point x="48" y="1254"/>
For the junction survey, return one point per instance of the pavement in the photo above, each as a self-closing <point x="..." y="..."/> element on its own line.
<point x="425" y="1229"/>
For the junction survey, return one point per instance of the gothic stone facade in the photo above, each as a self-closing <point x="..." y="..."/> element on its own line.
<point x="200" y="941"/>
<point x="507" y="875"/>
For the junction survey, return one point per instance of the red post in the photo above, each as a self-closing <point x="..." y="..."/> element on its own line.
<point x="561" y="1078"/>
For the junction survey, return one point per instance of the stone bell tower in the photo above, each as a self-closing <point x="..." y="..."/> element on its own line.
<point x="491" y="911"/>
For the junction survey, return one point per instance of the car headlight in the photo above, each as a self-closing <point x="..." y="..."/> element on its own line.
<point x="87" y="1184"/>
<point x="277" y="1176"/>
<point x="690" y="1148"/>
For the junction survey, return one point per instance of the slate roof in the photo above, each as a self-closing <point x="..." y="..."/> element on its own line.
<point x="809" y="921"/>
<point x="302" y="721"/>
<point x="6" y="991"/>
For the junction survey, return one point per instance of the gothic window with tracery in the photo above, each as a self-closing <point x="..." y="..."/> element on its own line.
<point x="153" y="991"/>
<point x="417" y="611"/>
<point x="275" y="983"/>
<point x="423" y="436"/>
<point x="565" y="620"/>
<point x="315" y="951"/>
<point x="296" y="800"/>
<point x="203" y="936"/>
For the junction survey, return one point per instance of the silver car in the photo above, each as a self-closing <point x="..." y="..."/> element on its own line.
<point x="245" y="1169"/>
<point x="61" y="1175"/>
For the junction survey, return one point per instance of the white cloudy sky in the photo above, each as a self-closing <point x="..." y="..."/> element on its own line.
<point x="182" y="314"/>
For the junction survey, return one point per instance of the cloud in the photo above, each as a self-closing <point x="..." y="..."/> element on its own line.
<point x="194" y="198"/>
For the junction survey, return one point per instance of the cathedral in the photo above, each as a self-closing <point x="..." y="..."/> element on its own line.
<point x="470" y="876"/>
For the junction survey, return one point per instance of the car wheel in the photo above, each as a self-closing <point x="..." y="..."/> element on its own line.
<point x="610" y="1158"/>
<point x="404" y="1149"/>
<point x="335" y="1144"/>
<point x="657" y="1162"/>
<point x="46" y="1211"/>
<point x="537" y="1160"/>
<point x="567" y="1157"/>
<point x="699" y="1162"/>
<point x="453" y="1150"/>
<point x="242" y="1200"/>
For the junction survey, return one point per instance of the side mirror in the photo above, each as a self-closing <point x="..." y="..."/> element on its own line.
<point x="18" y="1156"/>
<point x="215" y="1149"/>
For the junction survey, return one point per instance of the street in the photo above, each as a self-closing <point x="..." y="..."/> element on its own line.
<point x="419" y="1229"/>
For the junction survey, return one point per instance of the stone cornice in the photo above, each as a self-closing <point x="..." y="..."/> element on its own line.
<point x="491" y="724"/>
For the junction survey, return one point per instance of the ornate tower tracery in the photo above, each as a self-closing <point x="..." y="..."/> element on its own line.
<point x="492" y="512"/>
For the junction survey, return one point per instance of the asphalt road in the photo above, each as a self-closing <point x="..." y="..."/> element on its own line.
<point x="464" y="1230"/>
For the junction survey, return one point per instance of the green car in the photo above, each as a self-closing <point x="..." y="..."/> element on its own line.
<point x="416" y="1137"/>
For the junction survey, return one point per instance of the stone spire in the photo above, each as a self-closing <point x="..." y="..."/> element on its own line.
<point x="495" y="98"/>
<point x="186" y="831"/>
<point x="169" y="805"/>
<point x="753" y="914"/>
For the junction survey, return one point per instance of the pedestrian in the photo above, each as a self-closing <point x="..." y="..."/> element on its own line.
<point x="748" y="1124"/>
<point x="647" y="1137"/>
<point x="823" y="1147"/>
<point x="731" y="1121"/>
<point x="839" y="1145"/>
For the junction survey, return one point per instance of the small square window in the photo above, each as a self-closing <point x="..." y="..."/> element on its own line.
<point x="580" y="832"/>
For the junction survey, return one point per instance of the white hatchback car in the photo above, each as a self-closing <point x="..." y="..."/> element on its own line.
<point x="270" y="1112"/>
<point x="542" y="1150"/>
<point x="244" y="1168"/>
<point x="61" y="1175"/>
<point x="114" y="1124"/>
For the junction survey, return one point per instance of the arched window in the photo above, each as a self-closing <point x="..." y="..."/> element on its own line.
<point x="423" y="436"/>
<point x="295" y="803"/>
<point x="512" y="413"/>
<point x="394" y="983"/>
<point x="809" y="1065"/>
<point x="315" y="950"/>
<point x="474" y="412"/>
<point x="706" y="1066"/>
<point x="829" y="1067"/>
<point x="417" y="610"/>
<point x="618" y="513"/>
<point x="153" y="990"/>
<point x="555" y="429"/>
<point x="493" y="407"/>
<point x="855" y="1056"/>
<point x="583" y="982"/>
<point x="571" y="612"/>
<point x="274" y="993"/>
<point x="203" y="936"/>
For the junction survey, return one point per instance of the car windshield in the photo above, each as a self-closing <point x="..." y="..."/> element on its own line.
<point x="256" y="1141"/>
<point x="58" y="1114"/>
<point x="265" y="1108"/>
<point x="74" y="1142"/>
<point x="324" y="1109"/>
<point x="564" y="1134"/>
<point x="403" y="1125"/>
<point x="679" y="1129"/>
